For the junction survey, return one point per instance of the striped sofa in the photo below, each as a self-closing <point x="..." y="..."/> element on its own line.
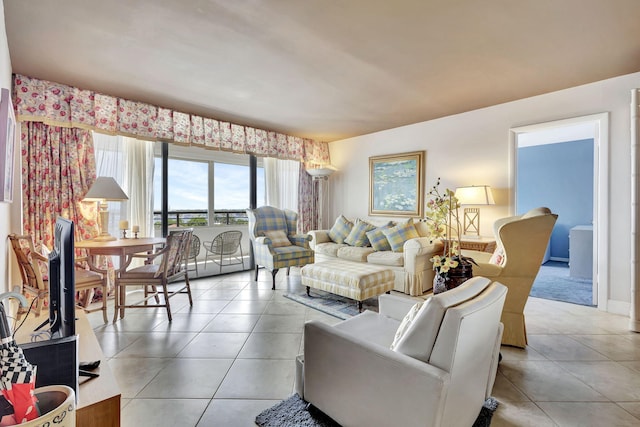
<point x="411" y="264"/>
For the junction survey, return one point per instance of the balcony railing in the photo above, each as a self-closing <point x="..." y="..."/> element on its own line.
<point x="200" y="218"/>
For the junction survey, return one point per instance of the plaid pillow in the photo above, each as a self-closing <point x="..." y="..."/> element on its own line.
<point x="278" y="238"/>
<point x="378" y="240"/>
<point x="399" y="234"/>
<point x="358" y="234"/>
<point x="340" y="229"/>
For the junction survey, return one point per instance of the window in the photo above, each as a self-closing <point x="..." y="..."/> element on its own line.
<point x="231" y="188"/>
<point x="187" y="192"/>
<point x="206" y="187"/>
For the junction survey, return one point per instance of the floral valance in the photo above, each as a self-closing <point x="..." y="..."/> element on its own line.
<point x="61" y="105"/>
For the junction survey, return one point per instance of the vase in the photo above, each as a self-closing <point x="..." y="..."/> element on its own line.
<point x="57" y="404"/>
<point x="453" y="278"/>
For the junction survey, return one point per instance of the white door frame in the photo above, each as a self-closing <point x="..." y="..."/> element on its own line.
<point x="600" y="195"/>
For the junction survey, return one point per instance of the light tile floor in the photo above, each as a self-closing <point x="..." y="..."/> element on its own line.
<point x="232" y="355"/>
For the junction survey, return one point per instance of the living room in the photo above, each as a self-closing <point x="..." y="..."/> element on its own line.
<point x="476" y="147"/>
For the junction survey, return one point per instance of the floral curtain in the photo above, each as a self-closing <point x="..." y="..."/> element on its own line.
<point x="307" y="203"/>
<point x="67" y="106"/>
<point x="58" y="168"/>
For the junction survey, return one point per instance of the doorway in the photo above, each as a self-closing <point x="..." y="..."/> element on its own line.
<point x="543" y="146"/>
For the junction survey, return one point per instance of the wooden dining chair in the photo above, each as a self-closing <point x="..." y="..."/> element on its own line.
<point x="32" y="264"/>
<point x="34" y="270"/>
<point x="154" y="277"/>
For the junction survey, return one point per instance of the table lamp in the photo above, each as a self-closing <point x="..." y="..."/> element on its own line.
<point x="473" y="195"/>
<point x="105" y="189"/>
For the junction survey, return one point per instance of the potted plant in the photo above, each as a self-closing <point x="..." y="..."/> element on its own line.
<point x="443" y="222"/>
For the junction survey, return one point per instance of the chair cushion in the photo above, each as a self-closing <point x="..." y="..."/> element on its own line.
<point x="418" y="338"/>
<point x="356" y="254"/>
<point x="378" y="240"/>
<point x="278" y="238"/>
<point x="399" y="234"/>
<point x="329" y="248"/>
<point x="358" y="234"/>
<point x="147" y="270"/>
<point x="393" y="259"/>
<point x="340" y="229"/>
<point x="371" y="327"/>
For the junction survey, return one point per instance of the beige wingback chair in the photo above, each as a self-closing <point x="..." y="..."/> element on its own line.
<point x="521" y="244"/>
<point x="438" y="372"/>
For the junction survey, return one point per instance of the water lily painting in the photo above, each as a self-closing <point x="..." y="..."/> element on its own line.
<point x="395" y="184"/>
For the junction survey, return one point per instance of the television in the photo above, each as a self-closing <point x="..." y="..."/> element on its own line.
<point x="62" y="292"/>
<point x="57" y="357"/>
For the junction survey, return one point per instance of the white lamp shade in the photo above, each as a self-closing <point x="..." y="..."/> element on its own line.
<point x="475" y="195"/>
<point x="105" y="188"/>
<point x="326" y="170"/>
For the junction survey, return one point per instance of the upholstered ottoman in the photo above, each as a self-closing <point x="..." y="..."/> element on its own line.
<point x="348" y="279"/>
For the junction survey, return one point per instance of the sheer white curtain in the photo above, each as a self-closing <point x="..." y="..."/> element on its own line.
<point x="130" y="162"/>
<point x="138" y="182"/>
<point x="281" y="179"/>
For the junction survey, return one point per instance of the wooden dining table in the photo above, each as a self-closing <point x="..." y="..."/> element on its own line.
<point x="121" y="248"/>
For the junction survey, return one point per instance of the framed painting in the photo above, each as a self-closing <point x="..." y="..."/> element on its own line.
<point x="396" y="184"/>
<point x="7" y="145"/>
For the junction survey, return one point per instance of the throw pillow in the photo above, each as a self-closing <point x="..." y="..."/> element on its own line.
<point x="498" y="257"/>
<point x="340" y="229"/>
<point x="406" y="323"/>
<point x="378" y="240"/>
<point x="358" y="234"/>
<point x="278" y="238"/>
<point x="399" y="234"/>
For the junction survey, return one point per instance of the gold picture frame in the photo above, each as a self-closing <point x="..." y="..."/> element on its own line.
<point x="396" y="184"/>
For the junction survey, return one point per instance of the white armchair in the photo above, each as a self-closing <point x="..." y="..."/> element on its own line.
<point x="439" y="373"/>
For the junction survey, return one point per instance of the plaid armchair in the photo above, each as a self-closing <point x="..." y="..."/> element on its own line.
<point x="275" y="242"/>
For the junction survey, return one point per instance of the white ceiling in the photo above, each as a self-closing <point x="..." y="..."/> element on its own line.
<point x="324" y="69"/>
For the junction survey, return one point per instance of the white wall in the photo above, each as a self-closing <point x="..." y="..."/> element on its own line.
<point x="474" y="148"/>
<point x="6" y="221"/>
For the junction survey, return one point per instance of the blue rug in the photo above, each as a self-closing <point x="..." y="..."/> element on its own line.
<point x="334" y="305"/>
<point x="553" y="282"/>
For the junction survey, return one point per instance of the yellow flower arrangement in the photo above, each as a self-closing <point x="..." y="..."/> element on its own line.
<point x="443" y="222"/>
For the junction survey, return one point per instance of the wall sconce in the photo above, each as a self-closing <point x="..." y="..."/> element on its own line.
<point x="104" y="189"/>
<point x="473" y="195"/>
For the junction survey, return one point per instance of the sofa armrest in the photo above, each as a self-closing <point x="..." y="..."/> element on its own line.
<point x="395" y="306"/>
<point x="341" y="370"/>
<point x="301" y="240"/>
<point x="318" y="236"/>
<point x="418" y="253"/>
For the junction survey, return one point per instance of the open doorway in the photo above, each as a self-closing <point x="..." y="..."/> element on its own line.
<point x="562" y="165"/>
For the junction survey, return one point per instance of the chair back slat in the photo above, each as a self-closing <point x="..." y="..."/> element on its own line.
<point x="30" y="272"/>
<point x="179" y="246"/>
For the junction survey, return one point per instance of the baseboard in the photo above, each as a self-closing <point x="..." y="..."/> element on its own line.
<point x="618" y="307"/>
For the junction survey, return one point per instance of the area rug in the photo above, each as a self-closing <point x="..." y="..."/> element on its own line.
<point x="553" y="282"/>
<point x="335" y="305"/>
<point x="293" y="412"/>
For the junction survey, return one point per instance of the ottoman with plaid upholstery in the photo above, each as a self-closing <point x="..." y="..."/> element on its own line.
<point x="348" y="279"/>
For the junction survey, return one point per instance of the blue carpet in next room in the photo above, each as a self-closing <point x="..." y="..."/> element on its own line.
<point x="553" y="282"/>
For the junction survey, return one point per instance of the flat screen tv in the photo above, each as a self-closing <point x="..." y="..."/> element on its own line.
<point x="62" y="292"/>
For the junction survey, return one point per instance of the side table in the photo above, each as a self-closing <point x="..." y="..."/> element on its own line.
<point x="483" y="244"/>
